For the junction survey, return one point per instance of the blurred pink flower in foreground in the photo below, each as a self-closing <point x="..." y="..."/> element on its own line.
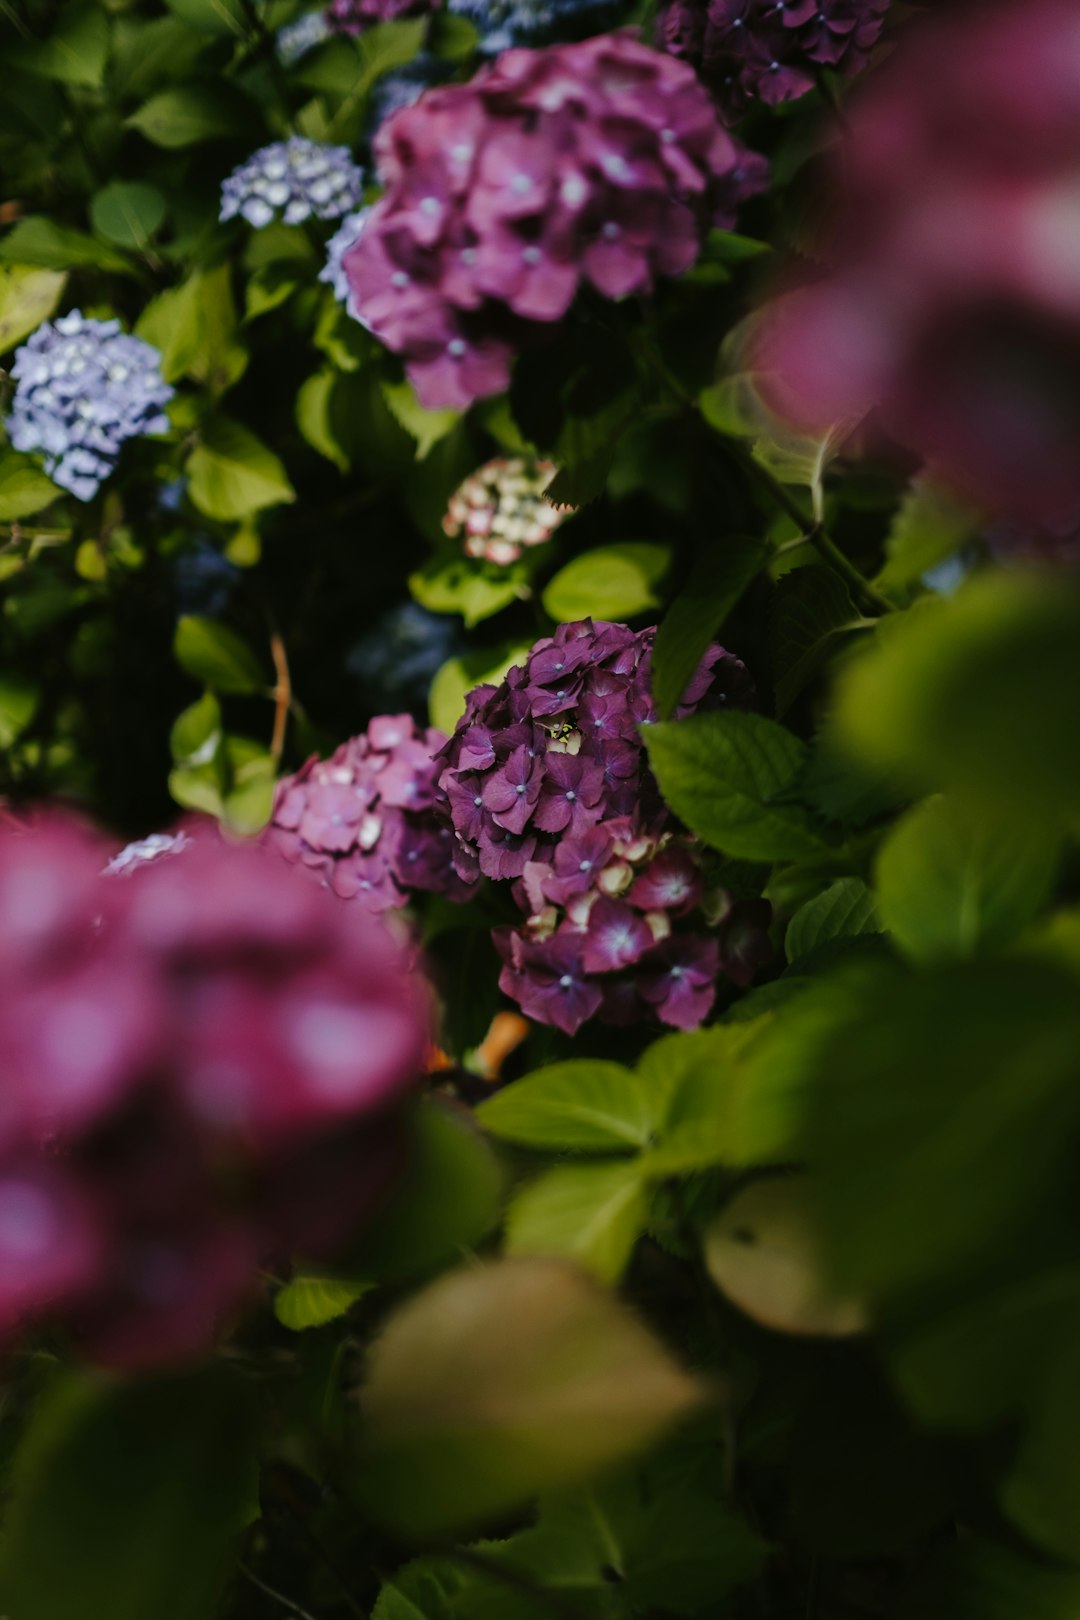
<point x="952" y="300"/>
<point x="203" y="1062"/>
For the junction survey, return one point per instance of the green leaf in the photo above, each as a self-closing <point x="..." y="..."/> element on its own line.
<point x="127" y="212"/>
<point x="613" y="582"/>
<point x="194" y="328"/>
<point x="585" y="1104"/>
<point x="455" y="679"/>
<point x="426" y="1589"/>
<point x="19" y="699"/>
<point x="502" y="1381"/>
<point x="980" y="693"/>
<point x="929" y="526"/>
<point x="426" y="427"/>
<point x="196" y="734"/>
<point x="812" y="605"/>
<point x="844" y="909"/>
<point x="232" y="474"/>
<point x="1042" y="1491"/>
<point x="28" y="296"/>
<point x="592" y="1213"/>
<point x="315" y="416"/>
<point x="36" y="240"/>
<point x="251" y="769"/>
<point x="311" y="1300"/>
<point x="160" y="1470"/>
<point x="24" y="488"/>
<point x="213" y="653"/>
<point x="190" y="113"/>
<point x="447" y="1199"/>
<point x="75" y="51"/>
<point x="468" y="586"/>
<point x="211" y="16"/>
<point x="270" y="286"/>
<point x="730" y="778"/>
<point x="720" y="576"/>
<point x="952" y="880"/>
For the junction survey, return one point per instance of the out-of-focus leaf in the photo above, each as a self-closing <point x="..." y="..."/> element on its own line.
<point x="426" y="427"/>
<point x="585" y="1103"/>
<point x="718" y="580"/>
<point x="127" y="212"/>
<point x="189" y="113"/>
<point x="468" y="586"/>
<point x="591" y="1213"/>
<point x="845" y="908"/>
<point x="731" y="778"/>
<point x="19" y="699"/>
<point x="75" y="50"/>
<point x="196" y="733"/>
<point x="953" y="880"/>
<point x="211" y="16"/>
<point x="613" y="582"/>
<point x="232" y="474"/>
<point x="811" y="607"/>
<point x="28" y="296"/>
<point x="458" y="676"/>
<point x="503" y="1381"/>
<point x="763" y="1254"/>
<point x="929" y="526"/>
<point x="24" y="488"/>
<point x="194" y="326"/>
<point x="163" y="1468"/>
<point x="213" y="653"/>
<point x="36" y="240"/>
<point x="311" y="1300"/>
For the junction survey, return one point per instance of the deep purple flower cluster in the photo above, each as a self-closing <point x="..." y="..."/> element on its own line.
<point x="203" y="1066"/>
<point x="599" y="163"/>
<point x="546" y="785"/>
<point x="83" y="387"/>
<point x="292" y="180"/>
<point x="499" y="511"/>
<point x="357" y="16"/>
<point x="768" y="50"/>
<point x="363" y="820"/>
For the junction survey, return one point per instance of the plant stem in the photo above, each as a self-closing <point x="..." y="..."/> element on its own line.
<point x="279" y="1597"/>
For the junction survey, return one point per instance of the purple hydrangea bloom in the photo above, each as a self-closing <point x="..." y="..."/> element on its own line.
<point x="357" y="16"/>
<point x="363" y="819"/>
<point x="768" y="50"/>
<point x="292" y="180"/>
<point x="599" y="164"/>
<point x="82" y="388"/>
<point x="546" y="786"/>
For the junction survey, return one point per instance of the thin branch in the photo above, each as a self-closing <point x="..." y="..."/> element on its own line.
<point x="279" y="1597"/>
<point x="282" y="695"/>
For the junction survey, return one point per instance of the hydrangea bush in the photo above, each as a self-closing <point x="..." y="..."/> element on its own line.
<point x="538" y="733"/>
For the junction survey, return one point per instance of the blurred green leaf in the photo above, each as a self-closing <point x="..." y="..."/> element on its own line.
<point x="28" y="296"/>
<point x="213" y="653"/>
<point x="731" y="779"/>
<point x="502" y="1381"/>
<point x="196" y="733"/>
<point x="585" y="1103"/>
<point x="232" y="474"/>
<point x="24" y="488"/>
<point x="845" y="908"/>
<point x="310" y="1300"/>
<point x="75" y="51"/>
<point x="129" y="1498"/>
<point x="458" y="676"/>
<point x="194" y="327"/>
<point x="591" y="1213"/>
<point x="36" y="240"/>
<point x="19" y="699"/>
<point x="189" y="113"/>
<point x="720" y="576"/>
<point x="211" y="16"/>
<point x="811" y="607"/>
<point x="953" y="880"/>
<point x="613" y="582"/>
<point x="426" y="427"/>
<point x="929" y="526"/>
<point x="468" y="586"/>
<point x="127" y="212"/>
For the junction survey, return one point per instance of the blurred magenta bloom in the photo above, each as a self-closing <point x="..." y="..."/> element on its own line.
<point x="204" y="1062"/>
<point x="951" y="303"/>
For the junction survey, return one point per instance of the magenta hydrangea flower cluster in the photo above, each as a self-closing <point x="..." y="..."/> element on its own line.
<point x="204" y="1064"/>
<point x="599" y="164"/>
<point x="499" y="511"/>
<point x="363" y="820"/>
<point x="357" y="16"/>
<point x="768" y="50"/>
<point x="950" y="302"/>
<point x="546" y="785"/>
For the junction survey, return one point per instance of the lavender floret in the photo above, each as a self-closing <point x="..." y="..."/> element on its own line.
<point x="292" y="180"/>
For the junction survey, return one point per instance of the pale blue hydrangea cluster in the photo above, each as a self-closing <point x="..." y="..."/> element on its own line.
<point x="293" y="180"/>
<point x="82" y="388"/>
<point x="333" y="271"/>
<point x="299" y="37"/>
<point x="504" y="24"/>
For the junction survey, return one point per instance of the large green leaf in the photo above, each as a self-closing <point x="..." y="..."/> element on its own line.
<point x="613" y="582"/>
<point x="128" y="212"/>
<point x="28" y="296"/>
<point x="75" y="50"/>
<point x="129" y="1498"/>
<point x="189" y="113"/>
<point x="426" y="427"/>
<point x="455" y="679"/>
<point x="211" y="16"/>
<point x="846" y="908"/>
<point x="952" y="880"/>
<point x="929" y="526"/>
<point x="731" y="779"/>
<point x="718" y="580"/>
<point x="585" y="1103"/>
<point x="24" y="488"/>
<point x="19" y="699"/>
<point x="213" y="653"/>
<point x="503" y="1381"/>
<point x="232" y="474"/>
<point x="36" y="240"/>
<point x="811" y="608"/>
<point x="194" y="326"/>
<point x="312" y="1299"/>
<point x="591" y="1213"/>
<point x="468" y="586"/>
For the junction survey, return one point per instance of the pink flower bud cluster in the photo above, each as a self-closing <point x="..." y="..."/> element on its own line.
<point x="357" y="16"/>
<point x="203" y="1065"/>
<point x="499" y="511"/>
<point x="546" y="785"/>
<point x="363" y="820"/>
<point x="951" y="305"/>
<point x="599" y="164"/>
<point x="768" y="50"/>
